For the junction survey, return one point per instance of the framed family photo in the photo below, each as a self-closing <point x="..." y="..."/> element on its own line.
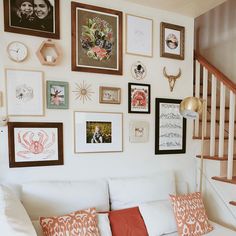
<point x="24" y="91"/>
<point x="35" y="144"/>
<point x="96" y="39"/>
<point x="109" y="95"/>
<point x="170" y="131"/>
<point x="139" y="98"/>
<point x="139" y="35"/>
<point x="57" y="95"/>
<point x="98" y="132"/>
<point x="33" y="17"/>
<point x="172" y="41"/>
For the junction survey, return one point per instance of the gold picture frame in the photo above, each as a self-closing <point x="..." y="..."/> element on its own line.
<point x="109" y="95"/>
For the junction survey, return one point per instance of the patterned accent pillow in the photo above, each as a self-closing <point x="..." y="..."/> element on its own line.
<point x="78" y="223"/>
<point x="190" y="215"/>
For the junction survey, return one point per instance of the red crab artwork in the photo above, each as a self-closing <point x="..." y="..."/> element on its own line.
<point x="36" y="144"/>
<point x="139" y="99"/>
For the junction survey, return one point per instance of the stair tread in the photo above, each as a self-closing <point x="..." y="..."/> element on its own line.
<point x="232" y="203"/>
<point x="224" y="179"/>
<point x="217" y="120"/>
<point x="208" y="138"/>
<point x="215" y="158"/>
<point x="218" y="107"/>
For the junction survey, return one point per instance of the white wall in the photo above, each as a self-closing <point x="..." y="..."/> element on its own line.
<point x="216" y="37"/>
<point x="136" y="159"/>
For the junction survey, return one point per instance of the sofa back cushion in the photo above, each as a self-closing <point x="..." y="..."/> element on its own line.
<point x="133" y="191"/>
<point x="59" y="198"/>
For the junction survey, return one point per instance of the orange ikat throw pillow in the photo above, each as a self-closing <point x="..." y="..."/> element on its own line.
<point x="78" y="223"/>
<point x="190" y="215"/>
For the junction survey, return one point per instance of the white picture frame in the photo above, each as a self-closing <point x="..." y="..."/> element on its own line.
<point x="138" y="131"/>
<point x="139" y="35"/>
<point x="98" y="132"/>
<point x="24" y="91"/>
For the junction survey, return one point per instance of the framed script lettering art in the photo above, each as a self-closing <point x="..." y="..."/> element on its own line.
<point x="96" y="39"/>
<point x="170" y="135"/>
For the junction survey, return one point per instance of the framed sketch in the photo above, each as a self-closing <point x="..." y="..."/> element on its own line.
<point x="138" y="70"/>
<point x="24" y="90"/>
<point x="109" y="95"/>
<point x="98" y="132"/>
<point x="139" y="36"/>
<point x="139" y="98"/>
<point x="172" y="41"/>
<point x="138" y="131"/>
<point x="96" y="39"/>
<point x="37" y="18"/>
<point x="35" y="144"/>
<point x="170" y="135"/>
<point x="57" y="95"/>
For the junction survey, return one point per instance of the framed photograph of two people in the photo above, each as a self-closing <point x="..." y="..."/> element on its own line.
<point x="32" y="17"/>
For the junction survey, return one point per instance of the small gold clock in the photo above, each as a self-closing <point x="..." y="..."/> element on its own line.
<point x="17" y="51"/>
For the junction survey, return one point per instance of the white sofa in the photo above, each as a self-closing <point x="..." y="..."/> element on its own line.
<point x="58" y="198"/>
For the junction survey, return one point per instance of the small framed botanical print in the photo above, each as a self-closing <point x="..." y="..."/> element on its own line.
<point x="139" y="98"/>
<point x="109" y="95"/>
<point x="172" y="41"/>
<point x="57" y="95"/>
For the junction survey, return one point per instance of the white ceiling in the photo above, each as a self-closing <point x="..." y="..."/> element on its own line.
<point x="192" y="8"/>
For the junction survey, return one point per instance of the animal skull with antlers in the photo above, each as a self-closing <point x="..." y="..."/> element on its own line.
<point x="171" y="78"/>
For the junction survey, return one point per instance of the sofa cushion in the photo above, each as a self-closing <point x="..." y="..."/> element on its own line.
<point x="59" y="198"/>
<point x="14" y="220"/>
<point x="132" y="191"/>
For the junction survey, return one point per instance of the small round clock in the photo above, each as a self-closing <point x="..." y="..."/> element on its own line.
<point x="17" y="51"/>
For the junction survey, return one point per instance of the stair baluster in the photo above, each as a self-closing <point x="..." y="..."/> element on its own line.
<point x="205" y="91"/>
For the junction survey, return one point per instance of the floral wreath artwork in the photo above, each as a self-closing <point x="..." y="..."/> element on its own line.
<point x="138" y="70"/>
<point x="83" y="91"/>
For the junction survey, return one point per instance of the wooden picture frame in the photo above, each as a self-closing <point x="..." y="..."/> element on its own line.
<point x="109" y="95"/>
<point x="57" y="95"/>
<point x="139" y="35"/>
<point x="35" y="144"/>
<point x="172" y="41"/>
<point x="170" y="127"/>
<point x="35" y="22"/>
<point x="97" y="51"/>
<point x="139" y="98"/>
<point x="98" y="132"/>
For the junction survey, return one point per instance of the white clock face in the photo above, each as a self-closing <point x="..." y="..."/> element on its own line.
<point x="17" y="51"/>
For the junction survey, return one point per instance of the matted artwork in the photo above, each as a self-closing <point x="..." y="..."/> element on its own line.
<point x="98" y="132"/>
<point x="57" y="95"/>
<point x="96" y="39"/>
<point x="35" y="144"/>
<point x="24" y="92"/>
<point x="33" y="17"/>
<point x="139" y="37"/>
<point x="172" y="41"/>
<point x="170" y="135"/>
<point x="138" y="131"/>
<point x="109" y="95"/>
<point x="139" y="98"/>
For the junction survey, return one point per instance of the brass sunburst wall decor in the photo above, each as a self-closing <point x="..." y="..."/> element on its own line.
<point x="83" y="91"/>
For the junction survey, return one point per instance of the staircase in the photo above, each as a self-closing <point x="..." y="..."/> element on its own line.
<point x="220" y="122"/>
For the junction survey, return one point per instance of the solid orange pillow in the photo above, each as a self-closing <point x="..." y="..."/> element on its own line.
<point x="127" y="222"/>
<point x="78" y="223"/>
<point x="190" y="215"/>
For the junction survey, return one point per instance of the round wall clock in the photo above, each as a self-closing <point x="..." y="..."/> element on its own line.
<point x="138" y="70"/>
<point x="17" y="51"/>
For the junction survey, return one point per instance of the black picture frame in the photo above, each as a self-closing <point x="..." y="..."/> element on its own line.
<point x="139" y="100"/>
<point x="170" y="127"/>
<point x="17" y="22"/>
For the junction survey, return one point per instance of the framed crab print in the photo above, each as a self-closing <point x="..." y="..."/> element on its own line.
<point x="96" y="39"/>
<point x="35" y="144"/>
<point x="172" y="41"/>
<point x="139" y="98"/>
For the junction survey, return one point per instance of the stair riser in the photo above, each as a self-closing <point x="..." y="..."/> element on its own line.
<point x="224" y="167"/>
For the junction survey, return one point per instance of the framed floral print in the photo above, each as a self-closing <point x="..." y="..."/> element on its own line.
<point x="35" y="144"/>
<point x="172" y="41"/>
<point x="57" y="95"/>
<point x="33" y="17"/>
<point x="96" y="39"/>
<point x="139" y="98"/>
<point x="170" y="135"/>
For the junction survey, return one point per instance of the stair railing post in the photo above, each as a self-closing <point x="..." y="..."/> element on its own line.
<point x="213" y="116"/>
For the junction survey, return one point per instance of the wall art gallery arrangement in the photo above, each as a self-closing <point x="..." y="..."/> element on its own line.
<point x="96" y="47"/>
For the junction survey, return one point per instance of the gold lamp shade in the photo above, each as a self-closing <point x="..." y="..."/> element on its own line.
<point x="191" y="107"/>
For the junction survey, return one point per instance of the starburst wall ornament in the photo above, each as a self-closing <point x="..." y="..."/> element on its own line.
<point x="83" y="91"/>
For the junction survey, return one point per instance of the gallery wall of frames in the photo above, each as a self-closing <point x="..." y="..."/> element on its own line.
<point x="93" y="86"/>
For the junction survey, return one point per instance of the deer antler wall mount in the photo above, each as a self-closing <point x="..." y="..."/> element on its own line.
<point x="171" y="78"/>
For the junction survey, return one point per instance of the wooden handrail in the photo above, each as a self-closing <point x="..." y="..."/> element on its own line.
<point x="213" y="70"/>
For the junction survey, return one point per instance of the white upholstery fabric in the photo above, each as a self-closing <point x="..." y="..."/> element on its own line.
<point x="59" y="198"/>
<point x="14" y="220"/>
<point x="129" y="192"/>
